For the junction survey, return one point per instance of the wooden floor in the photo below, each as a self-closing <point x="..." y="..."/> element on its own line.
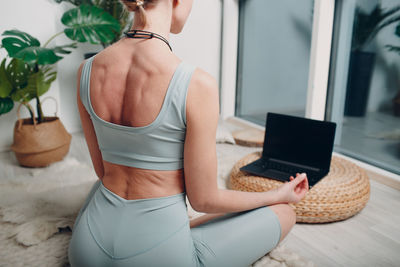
<point x="371" y="238"/>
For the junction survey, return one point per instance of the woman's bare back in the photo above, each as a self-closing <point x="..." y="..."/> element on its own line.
<point x="127" y="87"/>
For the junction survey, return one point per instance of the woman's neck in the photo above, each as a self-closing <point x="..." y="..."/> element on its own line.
<point x="158" y="20"/>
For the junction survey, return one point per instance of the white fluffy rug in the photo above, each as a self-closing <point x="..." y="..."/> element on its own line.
<point x="37" y="211"/>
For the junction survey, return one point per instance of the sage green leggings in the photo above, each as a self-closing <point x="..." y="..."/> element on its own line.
<point x="112" y="231"/>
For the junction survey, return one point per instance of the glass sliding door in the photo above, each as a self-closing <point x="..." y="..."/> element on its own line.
<point x="273" y="61"/>
<point x="364" y="88"/>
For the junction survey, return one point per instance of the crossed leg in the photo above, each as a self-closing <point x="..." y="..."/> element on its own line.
<point x="287" y="218"/>
<point x="239" y="239"/>
<point x="285" y="213"/>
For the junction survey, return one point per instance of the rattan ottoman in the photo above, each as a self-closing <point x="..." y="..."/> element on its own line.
<point x="338" y="196"/>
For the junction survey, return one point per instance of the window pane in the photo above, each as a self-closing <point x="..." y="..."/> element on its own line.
<point x="365" y="80"/>
<point x="274" y="51"/>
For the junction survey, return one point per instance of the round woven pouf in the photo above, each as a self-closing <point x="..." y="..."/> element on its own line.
<point x="338" y="196"/>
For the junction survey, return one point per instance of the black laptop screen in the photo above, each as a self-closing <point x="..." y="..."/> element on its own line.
<point x="299" y="140"/>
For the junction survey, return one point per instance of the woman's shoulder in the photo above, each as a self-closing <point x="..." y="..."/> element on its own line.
<point x="203" y="82"/>
<point x="203" y="93"/>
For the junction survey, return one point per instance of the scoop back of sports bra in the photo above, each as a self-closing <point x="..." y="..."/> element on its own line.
<point x="157" y="146"/>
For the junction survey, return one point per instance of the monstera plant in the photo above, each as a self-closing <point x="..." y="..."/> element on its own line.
<point x="367" y="25"/>
<point x="115" y="8"/>
<point x="396" y="99"/>
<point x="27" y="73"/>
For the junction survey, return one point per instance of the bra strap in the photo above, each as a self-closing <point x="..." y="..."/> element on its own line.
<point x="85" y="83"/>
<point x="181" y="86"/>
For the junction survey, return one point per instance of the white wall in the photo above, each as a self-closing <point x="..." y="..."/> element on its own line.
<point x="198" y="44"/>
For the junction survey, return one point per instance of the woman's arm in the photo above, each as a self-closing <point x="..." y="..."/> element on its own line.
<point x="200" y="162"/>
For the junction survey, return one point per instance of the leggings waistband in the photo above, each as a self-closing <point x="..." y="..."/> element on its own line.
<point x="149" y="202"/>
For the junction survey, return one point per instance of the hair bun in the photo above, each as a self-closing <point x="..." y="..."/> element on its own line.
<point x="133" y="5"/>
<point x="138" y="5"/>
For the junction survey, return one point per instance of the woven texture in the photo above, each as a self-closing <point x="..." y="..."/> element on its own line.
<point x="41" y="144"/>
<point x="339" y="195"/>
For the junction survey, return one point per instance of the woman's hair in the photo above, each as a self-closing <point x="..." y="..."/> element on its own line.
<point x="138" y="6"/>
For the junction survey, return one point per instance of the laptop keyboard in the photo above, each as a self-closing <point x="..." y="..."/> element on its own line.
<point x="284" y="168"/>
<point x="287" y="169"/>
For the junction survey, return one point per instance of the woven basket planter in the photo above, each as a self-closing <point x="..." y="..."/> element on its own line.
<point x="339" y="195"/>
<point x="39" y="145"/>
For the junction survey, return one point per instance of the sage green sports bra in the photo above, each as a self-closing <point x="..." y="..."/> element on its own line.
<point x="157" y="146"/>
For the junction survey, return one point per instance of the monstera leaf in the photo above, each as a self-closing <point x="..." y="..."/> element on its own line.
<point x="12" y="77"/>
<point x="6" y="104"/>
<point x="90" y="24"/>
<point x="76" y="2"/>
<point x="114" y="8"/>
<point x="38" y="84"/>
<point x="18" y="72"/>
<point x="392" y="47"/>
<point x="5" y="84"/>
<point x="18" y="41"/>
<point x="63" y="49"/>
<point x="118" y="11"/>
<point x="23" y="46"/>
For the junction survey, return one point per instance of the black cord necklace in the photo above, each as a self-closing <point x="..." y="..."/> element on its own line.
<point x="139" y="34"/>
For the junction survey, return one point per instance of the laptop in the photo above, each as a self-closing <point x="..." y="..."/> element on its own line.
<point x="294" y="145"/>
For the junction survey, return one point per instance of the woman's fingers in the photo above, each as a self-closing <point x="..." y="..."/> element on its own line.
<point x="300" y="185"/>
<point x="303" y="187"/>
<point x="303" y="184"/>
<point x="297" y="189"/>
<point x="300" y="178"/>
<point x="306" y="184"/>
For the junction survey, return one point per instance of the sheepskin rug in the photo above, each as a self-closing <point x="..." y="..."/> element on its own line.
<point x="38" y="209"/>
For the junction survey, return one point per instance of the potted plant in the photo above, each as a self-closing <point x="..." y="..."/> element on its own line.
<point x="115" y="8"/>
<point x="27" y="73"/>
<point x="362" y="59"/>
<point x="396" y="99"/>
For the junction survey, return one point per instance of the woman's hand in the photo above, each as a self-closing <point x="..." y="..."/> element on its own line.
<point x="295" y="190"/>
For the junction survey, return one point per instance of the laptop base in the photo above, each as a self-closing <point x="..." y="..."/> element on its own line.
<point x="260" y="168"/>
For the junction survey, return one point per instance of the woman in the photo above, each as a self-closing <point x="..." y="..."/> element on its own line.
<point x="143" y="111"/>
